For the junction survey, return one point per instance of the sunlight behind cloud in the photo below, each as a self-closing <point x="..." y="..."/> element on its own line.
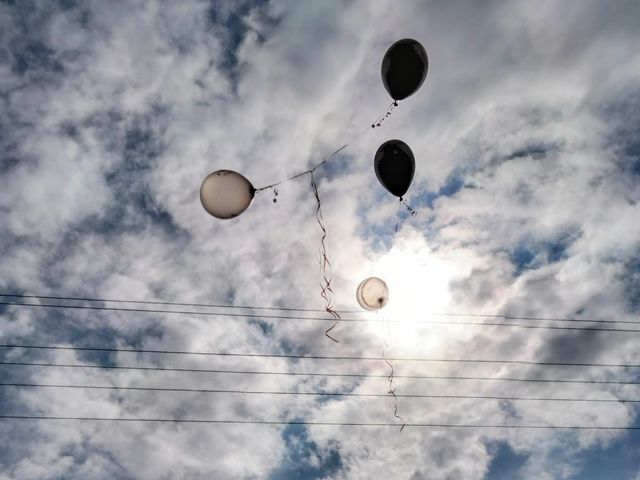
<point x="418" y="281"/>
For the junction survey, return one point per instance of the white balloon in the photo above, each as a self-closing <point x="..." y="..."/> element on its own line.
<point x="226" y="194"/>
<point x="372" y="294"/>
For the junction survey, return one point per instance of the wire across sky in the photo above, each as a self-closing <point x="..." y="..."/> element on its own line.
<point x="324" y="319"/>
<point x="316" y="423"/>
<point x="316" y="374"/>
<point x="318" y="357"/>
<point x="249" y="312"/>
<point x="305" y="318"/>
<point x="320" y="393"/>
<point x="295" y="309"/>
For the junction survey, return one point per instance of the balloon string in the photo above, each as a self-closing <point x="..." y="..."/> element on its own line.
<point x="398" y="217"/>
<point x="326" y="292"/>
<point x="392" y="384"/>
<point x="409" y="208"/>
<point x="282" y="181"/>
<point x="377" y="123"/>
<point x="325" y="286"/>
<point x="380" y="121"/>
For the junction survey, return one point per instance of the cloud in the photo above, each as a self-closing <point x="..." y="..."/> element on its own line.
<point x="527" y="197"/>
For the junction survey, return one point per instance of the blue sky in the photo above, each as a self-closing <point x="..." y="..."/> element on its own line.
<point x="526" y="186"/>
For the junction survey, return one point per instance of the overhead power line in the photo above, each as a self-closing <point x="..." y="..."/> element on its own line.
<point x="176" y="304"/>
<point x="309" y="423"/>
<point x="325" y="319"/>
<point x="310" y="310"/>
<point x="315" y="357"/>
<point x="317" y="374"/>
<point x="318" y="393"/>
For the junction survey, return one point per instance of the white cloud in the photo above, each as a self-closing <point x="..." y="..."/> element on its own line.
<point x="520" y="104"/>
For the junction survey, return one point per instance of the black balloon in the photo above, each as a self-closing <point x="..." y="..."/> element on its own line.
<point x="395" y="165"/>
<point x="404" y="68"/>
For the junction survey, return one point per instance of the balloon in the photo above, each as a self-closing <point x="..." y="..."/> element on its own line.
<point x="404" y="68"/>
<point x="372" y="294"/>
<point x="226" y="194"/>
<point x="395" y="165"/>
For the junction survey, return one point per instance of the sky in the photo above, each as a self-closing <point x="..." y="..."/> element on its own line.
<point x="525" y="135"/>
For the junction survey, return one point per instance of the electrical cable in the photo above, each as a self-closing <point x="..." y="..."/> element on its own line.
<point x="316" y="357"/>
<point x="309" y="310"/>
<point x="324" y="319"/>
<point x="319" y="394"/>
<point x="319" y="374"/>
<point x="304" y="423"/>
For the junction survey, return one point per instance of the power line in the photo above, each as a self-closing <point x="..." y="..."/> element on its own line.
<point x="324" y="319"/>
<point x="506" y="317"/>
<point x="177" y="304"/>
<point x="305" y="423"/>
<point x="318" y="374"/>
<point x="178" y="312"/>
<point x="318" y="394"/>
<point x="311" y="310"/>
<point x="315" y="357"/>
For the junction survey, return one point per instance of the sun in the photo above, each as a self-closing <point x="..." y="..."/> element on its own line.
<point x="418" y="281"/>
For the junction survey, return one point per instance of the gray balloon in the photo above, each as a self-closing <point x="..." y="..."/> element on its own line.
<point x="372" y="294"/>
<point x="226" y="194"/>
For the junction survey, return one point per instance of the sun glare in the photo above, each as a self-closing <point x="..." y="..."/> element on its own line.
<point x="418" y="282"/>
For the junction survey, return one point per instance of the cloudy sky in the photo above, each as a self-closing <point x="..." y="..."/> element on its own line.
<point x="527" y="152"/>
